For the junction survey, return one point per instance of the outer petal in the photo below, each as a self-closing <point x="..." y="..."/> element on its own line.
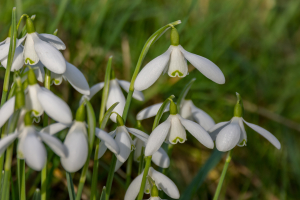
<point x="118" y="165"/>
<point x="243" y="139"/>
<point x="115" y="94"/>
<point x="164" y="183"/>
<point x="109" y="141"/>
<point x="4" y="48"/>
<point x="30" y="55"/>
<point x="49" y="56"/>
<point x="53" y="40"/>
<point x="7" y="110"/>
<point x="266" y="134"/>
<point x="186" y="109"/>
<point x="150" y="111"/>
<point x="161" y="158"/>
<point x="134" y="188"/>
<point x="202" y="118"/>
<point x="178" y="65"/>
<point x="18" y="61"/>
<point x="55" y="144"/>
<point x="228" y="137"/>
<point x="139" y="144"/>
<point x="214" y="131"/>
<point x="157" y="137"/>
<point x="6" y="141"/>
<point x="198" y="132"/>
<point x="124" y="144"/>
<point x="150" y="73"/>
<point x="138" y="133"/>
<point x="55" y="107"/>
<point x="34" y="151"/>
<point x="32" y="101"/>
<point x="56" y="79"/>
<point x="76" y="79"/>
<point x="54" y="128"/>
<point x="138" y="95"/>
<point x="102" y="149"/>
<point x="205" y="66"/>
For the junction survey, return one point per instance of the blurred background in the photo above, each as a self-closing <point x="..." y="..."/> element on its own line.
<point x="256" y="45"/>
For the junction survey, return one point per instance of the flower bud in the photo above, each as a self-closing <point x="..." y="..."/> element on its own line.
<point x="29" y="26"/>
<point x="80" y="114"/>
<point x="174" y="37"/>
<point x="173" y="108"/>
<point x="28" y="119"/>
<point x="238" y="108"/>
<point x="31" y="77"/>
<point x="154" y="191"/>
<point x="120" y="121"/>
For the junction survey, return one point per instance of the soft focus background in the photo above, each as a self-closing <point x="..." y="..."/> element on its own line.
<point x="256" y="45"/>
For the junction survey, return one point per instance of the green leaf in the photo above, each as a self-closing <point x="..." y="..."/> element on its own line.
<point x="184" y="93"/>
<point x="37" y="195"/>
<point x="70" y="186"/>
<point x="91" y="119"/>
<point x="212" y="161"/>
<point x="102" y="197"/>
<point x="107" y="115"/>
<point x="161" y="111"/>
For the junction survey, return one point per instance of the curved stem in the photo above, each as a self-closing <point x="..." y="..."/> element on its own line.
<point x="24" y="15"/>
<point x="216" y="196"/>
<point x="143" y="184"/>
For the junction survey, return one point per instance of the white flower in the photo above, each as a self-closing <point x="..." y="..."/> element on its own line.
<point x="45" y="48"/>
<point x="18" y="60"/>
<point x="229" y="134"/>
<point x="160" y="180"/>
<point x="173" y="130"/>
<point x="174" y="61"/>
<point x="31" y="148"/>
<point x="115" y="94"/>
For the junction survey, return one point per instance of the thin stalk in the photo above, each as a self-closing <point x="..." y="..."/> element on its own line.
<point x="110" y="176"/>
<point x="82" y="180"/>
<point x="129" y="169"/>
<point x="216" y="196"/>
<point x="70" y="186"/>
<point x="143" y="184"/>
<point x="3" y="134"/>
<point x="21" y="179"/>
<point x="170" y="150"/>
<point x="141" y="164"/>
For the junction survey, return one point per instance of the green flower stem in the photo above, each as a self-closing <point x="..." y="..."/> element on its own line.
<point x="24" y="15"/>
<point x="216" y="196"/>
<point x="82" y="179"/>
<point x="170" y="150"/>
<point x="70" y="186"/>
<point x="21" y="179"/>
<point x="110" y="176"/>
<point x="3" y="134"/>
<point x="129" y="169"/>
<point x="141" y="163"/>
<point x="146" y="170"/>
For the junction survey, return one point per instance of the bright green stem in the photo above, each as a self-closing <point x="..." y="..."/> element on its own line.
<point x="3" y="134"/>
<point x="127" y="105"/>
<point x="222" y="176"/>
<point x="7" y="172"/>
<point x="70" y="186"/>
<point x="24" y="15"/>
<point x="141" y="164"/>
<point x="170" y="150"/>
<point x="129" y="169"/>
<point x="95" y="171"/>
<point x="146" y="170"/>
<point x="21" y="179"/>
<point x="82" y="179"/>
<point x="110" y="176"/>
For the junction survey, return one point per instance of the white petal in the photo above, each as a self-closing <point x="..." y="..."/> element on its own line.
<point x="134" y="188"/>
<point x="139" y="144"/>
<point x="7" y="110"/>
<point x="124" y="142"/>
<point x="177" y="133"/>
<point x="202" y="118"/>
<point x="39" y="72"/>
<point x="205" y="66"/>
<point x="150" y="111"/>
<point x="157" y="137"/>
<point x="54" y="106"/>
<point x="214" y="131"/>
<point x="115" y="94"/>
<point x="161" y="158"/>
<point x="109" y="140"/>
<point x="266" y="134"/>
<point x="150" y="73"/>
<point x="53" y="40"/>
<point x="228" y="137"/>
<point x="18" y="61"/>
<point x="49" y="56"/>
<point x="138" y="133"/>
<point x="54" y="128"/>
<point x="118" y="165"/>
<point x="21" y="40"/>
<point x="56" y="79"/>
<point x="243" y="138"/>
<point x="4" y="48"/>
<point x="102" y="149"/>
<point x="30" y="55"/>
<point x="198" y="132"/>
<point x="32" y="102"/>
<point x="178" y="65"/>
<point x="6" y="141"/>
<point x="138" y="95"/>
<point x="76" y="79"/>
<point x="55" y="144"/>
<point x="164" y="183"/>
<point x="186" y="109"/>
<point x="34" y="151"/>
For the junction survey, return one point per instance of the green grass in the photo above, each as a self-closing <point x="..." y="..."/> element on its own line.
<point x="256" y="45"/>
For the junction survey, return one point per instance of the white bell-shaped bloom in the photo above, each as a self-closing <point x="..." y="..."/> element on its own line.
<point x="40" y="99"/>
<point x="229" y="134"/>
<point x="173" y="130"/>
<point x="154" y="177"/>
<point x="115" y="94"/>
<point x="45" y="48"/>
<point x="18" y="60"/>
<point x="174" y="62"/>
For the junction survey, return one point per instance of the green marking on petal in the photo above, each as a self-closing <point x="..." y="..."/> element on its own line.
<point x="28" y="60"/>
<point x="177" y="72"/>
<point x="243" y="143"/>
<point x="20" y="154"/>
<point x="56" y="82"/>
<point x="36" y="113"/>
<point x="132" y="147"/>
<point x="178" y="139"/>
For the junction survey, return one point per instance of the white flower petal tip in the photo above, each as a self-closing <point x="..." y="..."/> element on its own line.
<point x="54" y="128"/>
<point x="115" y="94"/>
<point x="118" y="165"/>
<point x="76" y="79"/>
<point x="228" y="137"/>
<point x="6" y="141"/>
<point x="7" y="110"/>
<point x="139" y="134"/>
<point x="205" y="66"/>
<point x="138" y="95"/>
<point x="124" y="142"/>
<point x="150" y="73"/>
<point x="134" y="188"/>
<point x="53" y="40"/>
<point x="55" y="107"/>
<point x="110" y="143"/>
<point x="266" y="134"/>
<point x="55" y="144"/>
<point x="213" y="131"/>
<point x="18" y="61"/>
<point x="150" y="111"/>
<point x="102" y="149"/>
<point x="161" y="158"/>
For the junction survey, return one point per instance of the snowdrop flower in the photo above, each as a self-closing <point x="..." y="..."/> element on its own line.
<point x="229" y="134"/>
<point x="40" y="99"/>
<point x="173" y="130"/>
<point x="30" y="146"/>
<point x="154" y="179"/>
<point x="174" y="62"/>
<point x="44" y="48"/>
<point x="115" y="94"/>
